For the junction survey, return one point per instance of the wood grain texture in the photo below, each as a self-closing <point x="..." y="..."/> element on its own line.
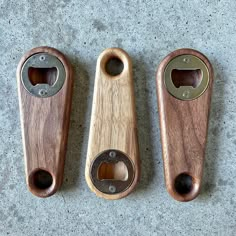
<point x="45" y="124"/>
<point x="113" y="121"/>
<point x="184" y="127"/>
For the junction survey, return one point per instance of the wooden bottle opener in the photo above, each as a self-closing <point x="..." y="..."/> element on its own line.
<point x="44" y="79"/>
<point x="184" y="86"/>
<point x="112" y="166"/>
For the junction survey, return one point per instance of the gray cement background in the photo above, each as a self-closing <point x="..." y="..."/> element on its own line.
<point x="148" y="31"/>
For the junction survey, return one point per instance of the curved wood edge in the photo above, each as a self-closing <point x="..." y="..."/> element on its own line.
<point x="132" y="150"/>
<point x="66" y="93"/>
<point x="164" y="101"/>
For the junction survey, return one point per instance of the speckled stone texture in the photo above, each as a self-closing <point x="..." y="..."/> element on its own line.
<point x="148" y="31"/>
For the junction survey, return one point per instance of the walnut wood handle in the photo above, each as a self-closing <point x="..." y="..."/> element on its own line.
<point x="113" y="126"/>
<point x="45" y="124"/>
<point x="183" y="127"/>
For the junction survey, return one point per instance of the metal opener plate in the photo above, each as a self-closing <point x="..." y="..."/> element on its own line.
<point x="186" y="62"/>
<point x="111" y="186"/>
<point x="43" y="60"/>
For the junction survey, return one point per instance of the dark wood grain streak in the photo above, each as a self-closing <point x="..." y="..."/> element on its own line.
<point x="45" y="125"/>
<point x="183" y="127"/>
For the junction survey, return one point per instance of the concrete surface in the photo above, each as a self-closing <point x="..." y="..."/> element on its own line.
<point x="148" y="31"/>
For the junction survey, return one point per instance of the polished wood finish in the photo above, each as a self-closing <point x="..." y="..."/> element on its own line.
<point x="113" y="121"/>
<point x="183" y="131"/>
<point x="45" y="124"/>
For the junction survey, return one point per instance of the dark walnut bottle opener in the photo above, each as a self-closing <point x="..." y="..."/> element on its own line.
<point x="184" y="87"/>
<point x="112" y="166"/>
<point x="44" y="79"/>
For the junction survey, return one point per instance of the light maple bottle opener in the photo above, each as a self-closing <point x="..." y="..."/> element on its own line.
<point x="184" y="86"/>
<point x="44" y="79"/>
<point x="112" y="166"/>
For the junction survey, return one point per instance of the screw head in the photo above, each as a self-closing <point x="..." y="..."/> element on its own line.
<point x="42" y="58"/>
<point x="186" y="94"/>
<point x="112" y="188"/>
<point x="43" y="92"/>
<point x="186" y="60"/>
<point x="112" y="154"/>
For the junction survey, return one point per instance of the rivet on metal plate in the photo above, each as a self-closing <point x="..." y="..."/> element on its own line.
<point x="42" y="63"/>
<point x="186" y="77"/>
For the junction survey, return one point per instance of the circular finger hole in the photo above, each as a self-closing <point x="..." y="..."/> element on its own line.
<point x="42" y="179"/>
<point x="183" y="184"/>
<point x="114" y="66"/>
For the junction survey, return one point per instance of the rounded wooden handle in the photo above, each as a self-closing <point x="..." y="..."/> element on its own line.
<point x="45" y="82"/>
<point x="184" y="121"/>
<point x="112" y="165"/>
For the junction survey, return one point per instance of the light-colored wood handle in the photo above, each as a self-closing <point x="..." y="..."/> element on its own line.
<point x="183" y="131"/>
<point x="113" y="129"/>
<point x="45" y="124"/>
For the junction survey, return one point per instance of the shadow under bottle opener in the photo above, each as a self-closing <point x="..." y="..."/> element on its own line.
<point x="112" y="165"/>
<point x="45" y="83"/>
<point x="184" y="86"/>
